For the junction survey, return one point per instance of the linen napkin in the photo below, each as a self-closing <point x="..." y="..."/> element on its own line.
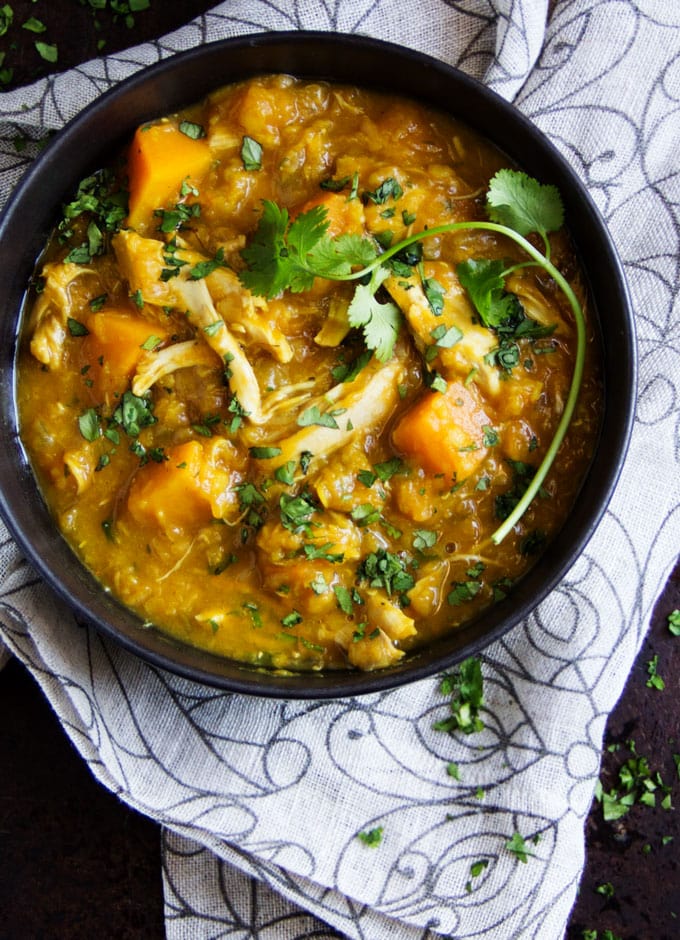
<point x="262" y="802"/>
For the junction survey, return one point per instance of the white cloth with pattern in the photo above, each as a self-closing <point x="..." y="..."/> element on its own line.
<point x="277" y="791"/>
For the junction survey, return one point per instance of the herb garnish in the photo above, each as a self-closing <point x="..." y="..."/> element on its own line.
<point x="371" y="837"/>
<point x="286" y="255"/>
<point x="518" y="846"/>
<point x="385" y="570"/>
<point x="251" y="154"/>
<point x="674" y="623"/>
<point x="466" y="689"/>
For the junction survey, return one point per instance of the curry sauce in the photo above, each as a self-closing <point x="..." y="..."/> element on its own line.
<point x="289" y="469"/>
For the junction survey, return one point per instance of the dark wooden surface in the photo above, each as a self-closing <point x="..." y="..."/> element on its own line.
<point x="76" y="863"/>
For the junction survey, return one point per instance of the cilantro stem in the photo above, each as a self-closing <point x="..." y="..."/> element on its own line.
<point x="579" y="362"/>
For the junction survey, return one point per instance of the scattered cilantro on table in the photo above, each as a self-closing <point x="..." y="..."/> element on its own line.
<point x="371" y="837"/>
<point x="466" y="690"/>
<point x="518" y="847"/>
<point x="674" y="623"/>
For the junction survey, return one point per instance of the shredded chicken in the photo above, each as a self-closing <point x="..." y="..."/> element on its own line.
<point x="375" y="652"/>
<point x="142" y="262"/>
<point x="384" y="613"/>
<point x="475" y="342"/>
<point x="51" y="311"/>
<point x="154" y="365"/>
<point x="363" y="409"/>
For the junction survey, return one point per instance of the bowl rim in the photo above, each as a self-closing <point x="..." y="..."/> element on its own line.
<point x="157" y="648"/>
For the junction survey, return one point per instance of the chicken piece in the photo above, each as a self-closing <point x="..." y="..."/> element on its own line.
<point x="336" y="325"/>
<point x="153" y="365"/>
<point x="142" y="262"/>
<point x="536" y="305"/>
<point x="81" y="464"/>
<point x="467" y="350"/>
<point x="49" y="317"/>
<point x="364" y="409"/>
<point x="427" y="594"/>
<point x="247" y="314"/>
<point x="376" y="651"/>
<point x="382" y="612"/>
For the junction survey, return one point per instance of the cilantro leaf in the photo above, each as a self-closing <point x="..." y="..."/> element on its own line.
<point x="382" y="569"/>
<point x="371" y="837"/>
<point x="267" y="256"/>
<point x="380" y="321"/>
<point x="251" y="153"/>
<point x="334" y="258"/>
<point x="314" y="416"/>
<point x="483" y="279"/>
<point x="523" y="204"/>
<point x="305" y="232"/>
<point x="517" y="845"/>
<point x="88" y="423"/>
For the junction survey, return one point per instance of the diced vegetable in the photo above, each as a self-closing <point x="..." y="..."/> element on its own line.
<point x="193" y="485"/>
<point x="115" y="344"/>
<point x="160" y="158"/>
<point x="444" y="433"/>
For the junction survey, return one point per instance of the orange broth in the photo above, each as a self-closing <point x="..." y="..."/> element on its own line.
<point x="238" y="469"/>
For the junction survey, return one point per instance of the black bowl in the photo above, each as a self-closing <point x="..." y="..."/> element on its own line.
<point x="103" y="127"/>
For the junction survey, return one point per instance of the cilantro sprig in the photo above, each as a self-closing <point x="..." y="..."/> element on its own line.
<point x="290" y="255"/>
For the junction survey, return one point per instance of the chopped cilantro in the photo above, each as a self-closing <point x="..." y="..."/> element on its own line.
<point x="423" y="539"/>
<point x="388" y="189"/>
<point x="134" y="413"/>
<point x="47" y="51"/>
<point x="264" y="453"/>
<point x="463" y="591"/>
<point x="606" y="889"/>
<point x="34" y="25"/>
<point x="89" y="425"/>
<point x="192" y="130"/>
<point x="388" y="468"/>
<point x="76" y="328"/>
<point x="517" y="845"/>
<point x="371" y="837"/>
<point x="321" y="552"/>
<point x="384" y="570"/>
<point x="296" y="512"/>
<point x="466" y="691"/>
<point x="314" y="416"/>
<point x="365" y="514"/>
<point x="251" y="503"/>
<point x="286" y="473"/>
<point x="292" y="619"/>
<point x="344" y="598"/>
<point x="203" y="268"/>
<point x="654" y="681"/>
<point x="251" y="154"/>
<point x="151" y="342"/>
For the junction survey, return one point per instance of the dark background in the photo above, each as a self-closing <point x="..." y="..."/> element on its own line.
<point x="76" y="863"/>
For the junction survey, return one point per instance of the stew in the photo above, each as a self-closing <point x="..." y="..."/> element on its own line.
<point x="280" y="395"/>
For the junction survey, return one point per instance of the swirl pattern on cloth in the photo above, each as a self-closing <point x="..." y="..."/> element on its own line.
<point x="262" y="802"/>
